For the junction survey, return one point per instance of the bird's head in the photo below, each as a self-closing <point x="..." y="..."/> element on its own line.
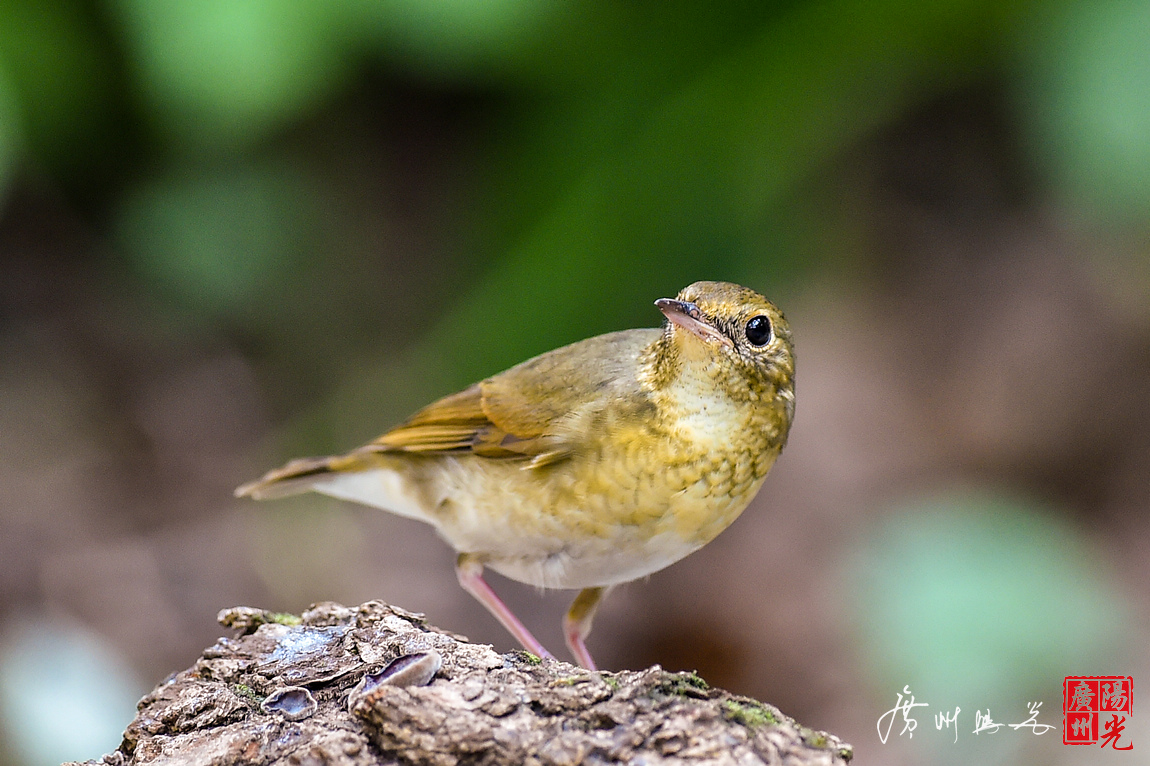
<point x="730" y="334"/>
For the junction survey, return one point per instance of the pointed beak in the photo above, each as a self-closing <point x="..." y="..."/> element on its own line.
<point x="687" y="315"/>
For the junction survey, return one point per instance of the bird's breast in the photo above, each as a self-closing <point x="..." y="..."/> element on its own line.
<point x="628" y="507"/>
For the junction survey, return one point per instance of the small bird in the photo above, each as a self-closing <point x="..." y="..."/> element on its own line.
<point x="591" y="465"/>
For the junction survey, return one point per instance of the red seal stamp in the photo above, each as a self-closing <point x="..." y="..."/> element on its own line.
<point x="1089" y="700"/>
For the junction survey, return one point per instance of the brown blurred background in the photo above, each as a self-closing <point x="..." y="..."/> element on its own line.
<point x="233" y="233"/>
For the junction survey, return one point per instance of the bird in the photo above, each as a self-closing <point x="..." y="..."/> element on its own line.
<point x="592" y="465"/>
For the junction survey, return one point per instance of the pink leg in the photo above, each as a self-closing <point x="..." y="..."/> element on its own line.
<point x="577" y="623"/>
<point x="470" y="572"/>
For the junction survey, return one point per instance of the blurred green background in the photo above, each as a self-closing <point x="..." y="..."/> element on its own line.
<point x="234" y="232"/>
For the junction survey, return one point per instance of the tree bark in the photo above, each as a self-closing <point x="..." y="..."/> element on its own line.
<point x="374" y="684"/>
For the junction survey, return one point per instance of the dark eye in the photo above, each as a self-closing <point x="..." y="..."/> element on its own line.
<point x="759" y="330"/>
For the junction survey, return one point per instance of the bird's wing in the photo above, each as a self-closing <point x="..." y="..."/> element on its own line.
<point x="451" y="424"/>
<point x="539" y="411"/>
<point x="521" y="413"/>
<point x="461" y="423"/>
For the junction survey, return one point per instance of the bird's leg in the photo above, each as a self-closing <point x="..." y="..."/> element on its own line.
<point x="577" y="623"/>
<point x="469" y="569"/>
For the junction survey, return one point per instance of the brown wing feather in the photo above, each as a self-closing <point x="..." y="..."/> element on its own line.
<point x="519" y="413"/>
<point x="458" y="423"/>
<point x="448" y="425"/>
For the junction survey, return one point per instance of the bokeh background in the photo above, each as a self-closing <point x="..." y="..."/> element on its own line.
<point x="234" y="232"/>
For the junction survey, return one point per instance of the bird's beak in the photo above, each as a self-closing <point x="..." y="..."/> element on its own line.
<point x="687" y="315"/>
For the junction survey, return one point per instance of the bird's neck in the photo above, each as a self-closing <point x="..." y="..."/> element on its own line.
<point x="705" y="399"/>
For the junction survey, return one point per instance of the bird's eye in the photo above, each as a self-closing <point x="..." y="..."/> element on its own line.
<point x="759" y="330"/>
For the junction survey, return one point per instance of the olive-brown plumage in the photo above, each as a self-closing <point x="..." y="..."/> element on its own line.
<point x="593" y="464"/>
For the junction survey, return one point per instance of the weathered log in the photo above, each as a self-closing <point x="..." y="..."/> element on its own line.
<point x="376" y="685"/>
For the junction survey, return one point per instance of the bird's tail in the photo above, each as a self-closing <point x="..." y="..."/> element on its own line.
<point x="298" y="476"/>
